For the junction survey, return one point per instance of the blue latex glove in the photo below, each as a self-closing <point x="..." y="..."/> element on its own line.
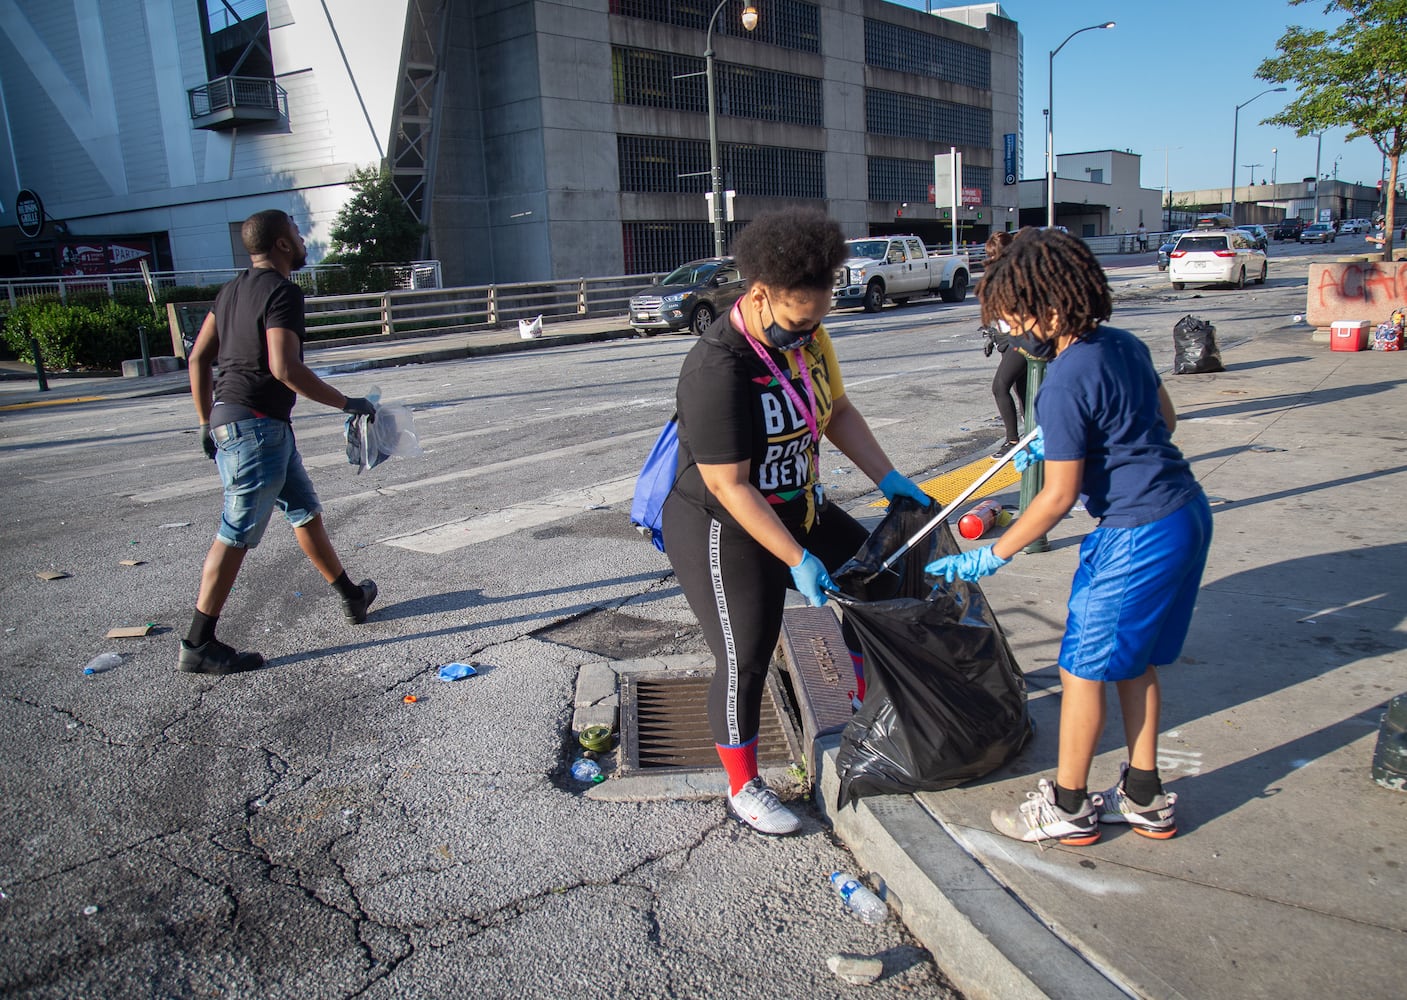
<point x="894" y="485"/>
<point x="970" y="566"/>
<point x="811" y="578"/>
<point x="1033" y="452"/>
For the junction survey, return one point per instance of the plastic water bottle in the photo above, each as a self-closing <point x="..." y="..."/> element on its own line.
<point x="102" y="662"/>
<point x="863" y="903"/>
<point x="586" y="770"/>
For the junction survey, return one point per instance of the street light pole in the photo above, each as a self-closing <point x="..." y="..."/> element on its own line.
<point x="1050" y="122"/>
<point x="715" y="168"/>
<point x="1274" y="163"/>
<point x="1318" y="151"/>
<point x="1235" y="128"/>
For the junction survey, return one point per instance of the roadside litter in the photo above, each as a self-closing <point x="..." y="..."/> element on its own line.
<point x="587" y="771"/>
<point x="530" y="329"/>
<point x="858" y="899"/>
<point x="102" y="663"/>
<point x="596" y="739"/>
<point x="857" y="970"/>
<point x="456" y="671"/>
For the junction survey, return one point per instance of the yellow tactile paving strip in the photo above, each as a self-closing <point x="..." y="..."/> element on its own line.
<point x="945" y="488"/>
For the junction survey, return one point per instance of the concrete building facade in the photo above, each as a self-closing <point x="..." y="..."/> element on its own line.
<point x="536" y="139"/>
<point x="1097" y="193"/>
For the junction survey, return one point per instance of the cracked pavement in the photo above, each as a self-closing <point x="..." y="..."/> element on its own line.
<point x="303" y="831"/>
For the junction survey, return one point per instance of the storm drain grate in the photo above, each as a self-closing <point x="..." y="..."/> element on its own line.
<point x="664" y="723"/>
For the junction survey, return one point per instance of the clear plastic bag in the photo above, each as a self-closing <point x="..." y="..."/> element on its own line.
<point x="390" y="435"/>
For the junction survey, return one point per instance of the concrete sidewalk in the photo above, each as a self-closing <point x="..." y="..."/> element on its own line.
<point x="1285" y="879"/>
<point x="17" y="391"/>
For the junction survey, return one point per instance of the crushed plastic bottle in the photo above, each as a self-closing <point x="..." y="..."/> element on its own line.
<point x="863" y="903"/>
<point x="102" y="663"/>
<point x="587" y="771"/>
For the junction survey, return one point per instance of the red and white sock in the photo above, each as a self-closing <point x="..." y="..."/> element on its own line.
<point x="740" y="761"/>
<point x="857" y="660"/>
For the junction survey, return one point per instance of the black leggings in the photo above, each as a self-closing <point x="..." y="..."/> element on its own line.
<point x="1011" y="376"/>
<point x="737" y="589"/>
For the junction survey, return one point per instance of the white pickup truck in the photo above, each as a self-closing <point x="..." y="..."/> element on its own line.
<point x="897" y="268"/>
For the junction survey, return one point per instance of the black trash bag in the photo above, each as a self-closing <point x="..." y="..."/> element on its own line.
<point x="1195" y="350"/>
<point x="944" y="702"/>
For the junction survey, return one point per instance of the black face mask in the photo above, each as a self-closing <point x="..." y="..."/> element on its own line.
<point x="1037" y="350"/>
<point x="784" y="339"/>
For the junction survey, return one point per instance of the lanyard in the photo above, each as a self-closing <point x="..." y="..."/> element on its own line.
<point x="809" y="412"/>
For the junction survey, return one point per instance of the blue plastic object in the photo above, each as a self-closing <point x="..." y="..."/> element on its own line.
<point x="456" y="671"/>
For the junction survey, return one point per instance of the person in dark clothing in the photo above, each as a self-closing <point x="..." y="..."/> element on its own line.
<point x="746" y="519"/>
<point x="255" y="335"/>
<point x="1011" y="369"/>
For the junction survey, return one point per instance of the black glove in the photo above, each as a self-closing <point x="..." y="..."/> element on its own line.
<point x="360" y="406"/>
<point x="207" y="443"/>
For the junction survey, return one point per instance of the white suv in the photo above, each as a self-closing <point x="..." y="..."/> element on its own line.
<point x="1206" y="256"/>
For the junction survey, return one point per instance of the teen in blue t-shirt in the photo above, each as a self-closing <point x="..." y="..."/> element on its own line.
<point x="1106" y="434"/>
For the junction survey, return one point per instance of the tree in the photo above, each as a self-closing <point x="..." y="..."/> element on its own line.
<point x="375" y="226"/>
<point x="1353" y="77"/>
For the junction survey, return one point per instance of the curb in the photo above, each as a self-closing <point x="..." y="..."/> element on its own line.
<point x="980" y="934"/>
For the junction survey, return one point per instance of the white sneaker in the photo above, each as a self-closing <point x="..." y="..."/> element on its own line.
<point x="1039" y="819"/>
<point x="758" y="806"/>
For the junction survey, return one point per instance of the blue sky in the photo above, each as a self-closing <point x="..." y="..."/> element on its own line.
<point x="1170" y="74"/>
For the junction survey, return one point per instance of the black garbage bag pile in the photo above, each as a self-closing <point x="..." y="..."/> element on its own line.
<point x="944" y="701"/>
<point x="1194" y="348"/>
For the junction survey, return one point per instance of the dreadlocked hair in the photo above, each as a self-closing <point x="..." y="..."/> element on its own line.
<point x="1047" y="272"/>
<point x="790" y="249"/>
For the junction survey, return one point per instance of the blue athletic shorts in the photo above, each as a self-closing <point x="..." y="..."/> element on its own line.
<point x="1132" y="598"/>
<point x="261" y="469"/>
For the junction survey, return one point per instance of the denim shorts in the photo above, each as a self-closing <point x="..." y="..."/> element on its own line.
<point x="260" y="467"/>
<point x="1133" y="594"/>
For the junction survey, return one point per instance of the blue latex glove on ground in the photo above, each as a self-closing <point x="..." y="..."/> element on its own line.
<point x="812" y="580"/>
<point x="1033" y="452"/>
<point x="970" y="566"/>
<point x="894" y="485"/>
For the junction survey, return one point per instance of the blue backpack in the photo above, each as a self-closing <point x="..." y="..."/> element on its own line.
<point x="654" y="484"/>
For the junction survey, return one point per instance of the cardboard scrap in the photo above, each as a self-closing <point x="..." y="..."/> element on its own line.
<point x="129" y="631"/>
<point x="52" y="574"/>
<point x="132" y="562"/>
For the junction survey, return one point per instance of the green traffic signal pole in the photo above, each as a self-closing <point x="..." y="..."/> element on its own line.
<point x="1034" y="477"/>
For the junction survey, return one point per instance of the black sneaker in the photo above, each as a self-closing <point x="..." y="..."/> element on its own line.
<point x="1004" y="450"/>
<point x="356" y="607"/>
<point x="215" y="657"/>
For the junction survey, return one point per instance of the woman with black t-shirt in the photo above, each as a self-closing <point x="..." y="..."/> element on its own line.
<point x="744" y="520"/>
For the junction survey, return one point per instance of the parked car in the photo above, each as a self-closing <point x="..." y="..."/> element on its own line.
<point x="1207" y="256"/>
<point x="1289" y="228"/>
<point x="1167" y="248"/>
<point x="690" y="297"/>
<point x="877" y="268"/>
<point x="1258" y="235"/>
<point x="1320" y="232"/>
<point x="1356" y="226"/>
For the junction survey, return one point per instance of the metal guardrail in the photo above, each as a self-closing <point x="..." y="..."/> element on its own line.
<point x="402" y="314"/>
<point x="414" y="275"/>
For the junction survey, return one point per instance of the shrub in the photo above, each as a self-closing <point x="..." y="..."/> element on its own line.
<point x="77" y="335"/>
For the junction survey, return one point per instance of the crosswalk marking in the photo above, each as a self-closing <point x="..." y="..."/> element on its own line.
<point x="453" y="535"/>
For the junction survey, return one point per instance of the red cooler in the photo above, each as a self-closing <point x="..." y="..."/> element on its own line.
<point x="1349" y="335"/>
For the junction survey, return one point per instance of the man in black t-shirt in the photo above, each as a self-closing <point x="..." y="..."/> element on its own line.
<point x="255" y="334"/>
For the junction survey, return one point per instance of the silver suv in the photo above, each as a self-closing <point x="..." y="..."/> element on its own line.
<point x="1208" y="256"/>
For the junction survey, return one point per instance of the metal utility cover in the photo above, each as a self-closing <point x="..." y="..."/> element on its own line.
<point x="822" y="676"/>
<point x="664" y="723"/>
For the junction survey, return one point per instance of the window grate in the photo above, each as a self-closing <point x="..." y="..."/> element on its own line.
<point x="905" y="50"/>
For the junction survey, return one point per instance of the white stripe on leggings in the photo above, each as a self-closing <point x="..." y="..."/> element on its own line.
<point x="720" y="600"/>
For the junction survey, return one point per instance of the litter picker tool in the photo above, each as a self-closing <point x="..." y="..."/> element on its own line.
<point x="959" y="500"/>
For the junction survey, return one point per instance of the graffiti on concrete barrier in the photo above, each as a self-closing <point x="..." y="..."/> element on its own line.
<point x="1355" y="290"/>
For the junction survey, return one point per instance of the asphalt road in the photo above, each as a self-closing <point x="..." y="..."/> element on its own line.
<point x="306" y="831"/>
